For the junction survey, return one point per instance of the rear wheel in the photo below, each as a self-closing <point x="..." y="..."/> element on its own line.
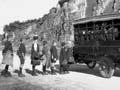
<point x="91" y="64"/>
<point x="106" y="67"/>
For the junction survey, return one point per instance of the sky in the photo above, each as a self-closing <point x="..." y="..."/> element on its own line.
<point x="13" y="10"/>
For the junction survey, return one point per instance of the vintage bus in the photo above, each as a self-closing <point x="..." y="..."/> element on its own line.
<point x="97" y="41"/>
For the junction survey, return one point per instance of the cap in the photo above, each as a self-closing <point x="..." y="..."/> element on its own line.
<point x="63" y="44"/>
<point x="21" y="40"/>
<point x="44" y="42"/>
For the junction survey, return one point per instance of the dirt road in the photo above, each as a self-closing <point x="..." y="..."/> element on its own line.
<point x="80" y="78"/>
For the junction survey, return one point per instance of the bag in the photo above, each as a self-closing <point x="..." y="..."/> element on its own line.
<point x="35" y="62"/>
<point x="36" y="57"/>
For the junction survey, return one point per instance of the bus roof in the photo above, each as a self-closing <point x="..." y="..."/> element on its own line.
<point x="97" y="18"/>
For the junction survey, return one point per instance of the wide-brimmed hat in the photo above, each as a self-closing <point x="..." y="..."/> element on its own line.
<point x="35" y="37"/>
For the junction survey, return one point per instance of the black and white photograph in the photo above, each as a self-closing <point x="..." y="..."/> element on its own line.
<point x="59" y="44"/>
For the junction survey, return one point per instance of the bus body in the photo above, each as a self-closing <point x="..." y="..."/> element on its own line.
<point x="97" y="41"/>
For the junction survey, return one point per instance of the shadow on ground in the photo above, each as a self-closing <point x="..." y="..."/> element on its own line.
<point x="16" y="71"/>
<point x="84" y="69"/>
<point x="39" y="72"/>
<point x="30" y="71"/>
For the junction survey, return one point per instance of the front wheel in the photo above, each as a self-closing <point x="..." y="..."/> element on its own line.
<point x="91" y="64"/>
<point x="105" y="68"/>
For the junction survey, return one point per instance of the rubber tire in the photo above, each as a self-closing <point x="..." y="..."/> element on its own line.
<point x="91" y="64"/>
<point x="106" y="67"/>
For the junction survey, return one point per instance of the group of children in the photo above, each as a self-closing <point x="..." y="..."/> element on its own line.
<point x="48" y="57"/>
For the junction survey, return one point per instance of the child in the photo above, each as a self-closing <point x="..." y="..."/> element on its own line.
<point x="21" y="53"/>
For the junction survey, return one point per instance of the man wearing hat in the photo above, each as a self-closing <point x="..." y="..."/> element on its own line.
<point x="54" y="57"/>
<point x="35" y="55"/>
<point x="21" y="53"/>
<point x="69" y="56"/>
<point x="62" y="58"/>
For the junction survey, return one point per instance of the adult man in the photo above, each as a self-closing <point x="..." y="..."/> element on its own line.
<point x="21" y="53"/>
<point x="62" y="58"/>
<point x="54" y="57"/>
<point x="7" y="57"/>
<point x="69" y="56"/>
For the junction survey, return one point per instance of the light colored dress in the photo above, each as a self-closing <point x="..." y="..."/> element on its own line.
<point x="8" y="58"/>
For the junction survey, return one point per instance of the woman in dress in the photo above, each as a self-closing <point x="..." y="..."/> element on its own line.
<point x="35" y="57"/>
<point x="7" y="57"/>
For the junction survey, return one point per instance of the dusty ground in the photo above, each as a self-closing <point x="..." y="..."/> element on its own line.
<point x="80" y="78"/>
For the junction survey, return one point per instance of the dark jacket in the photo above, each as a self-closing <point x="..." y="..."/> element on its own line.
<point x="34" y="53"/>
<point x="21" y="50"/>
<point x="8" y="47"/>
<point x="54" y="54"/>
<point x="62" y="55"/>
